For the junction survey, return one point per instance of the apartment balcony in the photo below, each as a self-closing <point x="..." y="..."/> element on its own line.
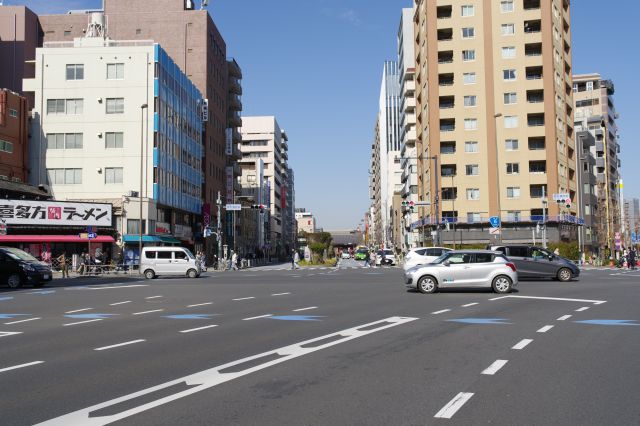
<point x="444" y="12"/>
<point x="600" y="162"/>
<point x="531" y="5"/>
<point x="446" y="102"/>
<point x="445" y="34"/>
<point x="447" y="125"/>
<point x="533" y="73"/>
<point x="234" y="102"/>
<point x="535" y="96"/>
<point x="408" y="104"/>
<point x="236" y="137"/>
<point x="410" y="137"/>
<point x="535" y="120"/>
<point x="408" y="87"/>
<point x="234" y="69"/>
<point x="532" y="26"/>
<point x="234" y="119"/>
<point x="533" y="49"/>
<point x="234" y="86"/>
<point x="408" y="120"/>
<point x="445" y="57"/>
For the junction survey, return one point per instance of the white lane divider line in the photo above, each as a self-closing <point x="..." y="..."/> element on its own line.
<point x="261" y="316"/>
<point x="15" y="367"/>
<point x="545" y="329"/>
<point x="305" y="309"/>
<point x="199" y="328"/>
<point x="153" y="297"/>
<point x="564" y="318"/>
<point x="243" y="298"/>
<point x="495" y="367"/>
<point x="118" y="286"/>
<point x="584" y="308"/>
<point x="199" y="304"/>
<point x="522" y="344"/>
<point x="469" y="304"/>
<point x="454" y="405"/>
<point x="79" y="310"/>
<point x="147" y="312"/>
<point x="104" y="348"/>
<point x="279" y="294"/>
<point x="215" y="376"/>
<point x="562" y="299"/>
<point x="120" y="303"/>
<point x="440" y="312"/>
<point x="18" y="322"/>
<point x="9" y="333"/>
<point x="82" y="322"/>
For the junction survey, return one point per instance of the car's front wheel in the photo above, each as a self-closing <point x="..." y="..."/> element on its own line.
<point x="149" y="274"/>
<point x="564" y="274"/>
<point x="502" y="284"/>
<point x="192" y="273"/>
<point x="427" y="285"/>
<point x="14" y="281"/>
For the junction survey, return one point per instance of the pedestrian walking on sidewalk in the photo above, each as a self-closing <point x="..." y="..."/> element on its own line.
<point x="295" y="260"/>
<point x="62" y="260"/>
<point x="631" y="257"/>
<point x="234" y="261"/>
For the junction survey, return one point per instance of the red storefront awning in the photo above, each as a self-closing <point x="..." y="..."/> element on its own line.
<point x="53" y="239"/>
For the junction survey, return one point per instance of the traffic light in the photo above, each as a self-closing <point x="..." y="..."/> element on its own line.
<point x="408" y="206"/>
<point x="565" y="201"/>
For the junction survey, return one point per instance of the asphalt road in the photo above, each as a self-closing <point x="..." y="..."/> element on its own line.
<point x="325" y="346"/>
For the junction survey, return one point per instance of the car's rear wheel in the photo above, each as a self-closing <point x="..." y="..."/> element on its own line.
<point x="427" y="285"/>
<point x="192" y="273"/>
<point x="564" y="274"/>
<point x="502" y="284"/>
<point x="14" y="281"/>
<point x="149" y="274"/>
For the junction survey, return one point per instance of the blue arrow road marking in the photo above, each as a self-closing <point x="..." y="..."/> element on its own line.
<point x="9" y="316"/>
<point x="90" y="316"/>
<point x="43" y="292"/>
<point x="480" y="320"/>
<point x="5" y="298"/>
<point x="190" y="316"/>
<point x="608" y="322"/>
<point x="296" y="318"/>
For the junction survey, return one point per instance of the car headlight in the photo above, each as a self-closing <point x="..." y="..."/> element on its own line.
<point x="28" y="268"/>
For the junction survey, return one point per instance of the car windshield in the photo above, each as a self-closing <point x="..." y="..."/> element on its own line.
<point x="388" y="252"/>
<point x="441" y="259"/>
<point x="18" y="254"/>
<point x="191" y="256"/>
<point x="361" y="251"/>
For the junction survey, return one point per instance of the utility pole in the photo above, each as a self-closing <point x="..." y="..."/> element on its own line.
<point x="219" y="229"/>
<point x="544" y="218"/>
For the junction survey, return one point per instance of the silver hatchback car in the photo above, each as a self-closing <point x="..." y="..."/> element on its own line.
<point x="464" y="268"/>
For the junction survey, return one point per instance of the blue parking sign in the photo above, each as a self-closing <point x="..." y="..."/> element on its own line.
<point x="494" y="221"/>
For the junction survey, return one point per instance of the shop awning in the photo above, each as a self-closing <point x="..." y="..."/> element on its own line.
<point x="53" y="239"/>
<point x="150" y="239"/>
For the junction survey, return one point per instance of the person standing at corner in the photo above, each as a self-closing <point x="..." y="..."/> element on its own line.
<point x="631" y="256"/>
<point x="234" y="261"/>
<point x="62" y="259"/>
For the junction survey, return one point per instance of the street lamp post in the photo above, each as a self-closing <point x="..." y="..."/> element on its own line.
<point x="142" y="156"/>
<point x="496" y="116"/>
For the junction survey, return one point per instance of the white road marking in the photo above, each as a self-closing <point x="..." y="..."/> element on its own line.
<point x="595" y="302"/>
<point x="120" y="303"/>
<point x="522" y="344"/>
<point x="545" y="329"/>
<point x="104" y="348"/>
<point x="215" y="376"/>
<point x="279" y="294"/>
<point x="18" y="322"/>
<point x="82" y="322"/>
<point x="15" y="367"/>
<point x="199" y="328"/>
<point x="153" y="297"/>
<point x="118" y="286"/>
<point x="261" y="316"/>
<point x="469" y="304"/>
<point x="495" y="367"/>
<point x="454" y="405"/>
<point x="244" y="298"/>
<point x="564" y="317"/>
<point x="199" y="304"/>
<point x="440" y="312"/>
<point x="79" y="310"/>
<point x="305" y="309"/>
<point x="9" y="333"/>
<point x="147" y="312"/>
<point x="582" y="309"/>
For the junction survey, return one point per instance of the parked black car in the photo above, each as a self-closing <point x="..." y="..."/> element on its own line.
<point x="18" y="267"/>
<point x="537" y="262"/>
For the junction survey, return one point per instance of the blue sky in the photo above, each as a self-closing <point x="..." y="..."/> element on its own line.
<point x="316" y="65"/>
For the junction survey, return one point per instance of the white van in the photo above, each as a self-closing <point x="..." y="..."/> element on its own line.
<point x="169" y="261"/>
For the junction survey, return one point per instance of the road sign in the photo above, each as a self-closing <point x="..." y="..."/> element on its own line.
<point x="84" y="235"/>
<point x="494" y="231"/>
<point x="233" y="207"/>
<point x="92" y="235"/>
<point x="494" y="221"/>
<point x="561" y="197"/>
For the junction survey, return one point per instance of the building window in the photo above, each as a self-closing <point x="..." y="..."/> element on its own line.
<point x="64" y="140"/>
<point x="113" y="175"/>
<point x="575" y="87"/>
<point x="74" y="106"/>
<point x="114" y="140"/>
<point x="75" y="71"/>
<point x="468" y="10"/>
<point x="115" y="71"/>
<point x="472" y="169"/>
<point x="470" y="124"/>
<point x="513" y="168"/>
<point x="509" y="75"/>
<point x="508" y="52"/>
<point x="470" y="101"/>
<point x="511" y="144"/>
<point x="513" y="216"/>
<point x="506" y="6"/>
<point x="13" y="113"/>
<point x="589" y="85"/>
<point x="468" y="32"/>
<point x="473" y="194"/>
<point x="510" y="121"/>
<point x="115" y="105"/>
<point x="468" y="55"/>
<point x="65" y="106"/>
<point x="471" y="146"/>
<point x="508" y="29"/>
<point x="6" y="146"/>
<point x="513" y="192"/>
<point x="66" y="33"/>
<point x="473" y="217"/>
<point x="469" y="78"/>
<point x="64" y="176"/>
<point x="510" y="98"/>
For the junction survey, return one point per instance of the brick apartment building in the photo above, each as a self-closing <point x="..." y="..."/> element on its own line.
<point x="13" y="136"/>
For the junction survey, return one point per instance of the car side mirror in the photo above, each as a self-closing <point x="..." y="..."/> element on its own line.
<point x="551" y="257"/>
<point x="446" y="263"/>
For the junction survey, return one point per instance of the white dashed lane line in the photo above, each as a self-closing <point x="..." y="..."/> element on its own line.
<point x="582" y="309"/>
<point x="495" y="367"/>
<point x="243" y="298"/>
<point x="15" y="367"/>
<point x="453" y="406"/>
<point x="120" y="303"/>
<point x="104" y="348"/>
<point x="153" y="297"/>
<point x="564" y="317"/>
<point x="279" y="294"/>
<point x="522" y="344"/>
<point x="261" y="316"/>
<point x="79" y="310"/>
<point x="305" y="309"/>
<point x="545" y="329"/>
<point x="18" y="322"/>
<point x="469" y="304"/>
<point x="82" y="322"/>
<point x="147" y="312"/>
<point x="199" y="328"/>
<point x="200" y="304"/>
<point x="440" y="312"/>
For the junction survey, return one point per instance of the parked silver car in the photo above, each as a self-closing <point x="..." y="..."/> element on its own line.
<point x="464" y="268"/>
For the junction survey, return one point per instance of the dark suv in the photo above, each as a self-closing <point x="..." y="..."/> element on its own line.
<point x="18" y="267"/>
<point x="537" y="262"/>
